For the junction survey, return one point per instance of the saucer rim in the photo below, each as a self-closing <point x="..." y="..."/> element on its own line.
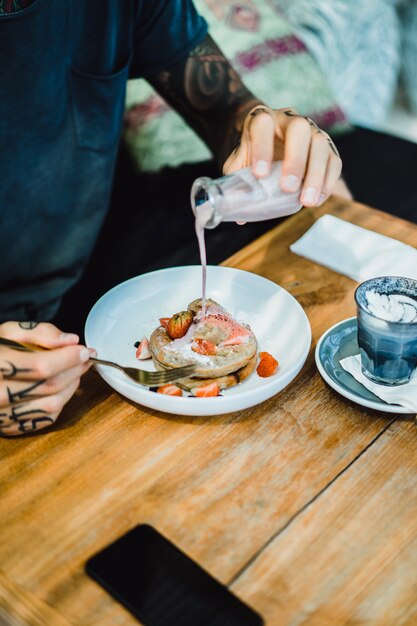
<point x="381" y="405"/>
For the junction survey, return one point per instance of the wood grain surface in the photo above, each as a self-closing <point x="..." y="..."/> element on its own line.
<point x="349" y="557"/>
<point x="240" y="493"/>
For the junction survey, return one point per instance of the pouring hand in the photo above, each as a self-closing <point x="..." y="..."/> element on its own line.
<point x="311" y="162"/>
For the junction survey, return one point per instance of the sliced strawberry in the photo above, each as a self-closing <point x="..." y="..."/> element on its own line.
<point x="179" y="323"/>
<point x="170" y="390"/>
<point x="207" y="391"/>
<point x="202" y="346"/>
<point x="267" y="366"/>
<point x="164" y="321"/>
<point x="143" y="351"/>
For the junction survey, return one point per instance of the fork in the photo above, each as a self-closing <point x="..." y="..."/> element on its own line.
<point x="144" y="377"/>
<point x="150" y="379"/>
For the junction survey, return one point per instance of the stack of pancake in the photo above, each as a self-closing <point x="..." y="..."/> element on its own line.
<point x="223" y="350"/>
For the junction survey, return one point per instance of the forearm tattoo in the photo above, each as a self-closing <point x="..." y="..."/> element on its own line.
<point x="206" y="90"/>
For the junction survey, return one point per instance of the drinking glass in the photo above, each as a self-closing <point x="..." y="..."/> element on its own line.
<point x="387" y="329"/>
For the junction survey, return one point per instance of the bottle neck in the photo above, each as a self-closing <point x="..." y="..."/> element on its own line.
<point x="207" y="202"/>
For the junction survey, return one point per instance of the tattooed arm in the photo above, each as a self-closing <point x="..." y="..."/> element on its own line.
<point x="210" y="95"/>
<point x="241" y="131"/>
<point x="34" y="386"/>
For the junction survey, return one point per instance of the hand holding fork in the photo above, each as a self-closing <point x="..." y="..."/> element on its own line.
<point x="40" y="370"/>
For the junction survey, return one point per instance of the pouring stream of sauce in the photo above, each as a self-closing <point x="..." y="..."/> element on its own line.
<point x="203" y="214"/>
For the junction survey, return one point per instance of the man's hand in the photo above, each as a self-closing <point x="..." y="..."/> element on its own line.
<point x="311" y="162"/>
<point x="34" y="386"/>
<point x="210" y="95"/>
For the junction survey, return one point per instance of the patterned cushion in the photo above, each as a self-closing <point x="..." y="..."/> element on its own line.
<point x="357" y="46"/>
<point x="273" y="62"/>
<point x="408" y="15"/>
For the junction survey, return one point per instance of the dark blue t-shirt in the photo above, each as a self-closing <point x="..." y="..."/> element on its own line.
<point x="63" y="72"/>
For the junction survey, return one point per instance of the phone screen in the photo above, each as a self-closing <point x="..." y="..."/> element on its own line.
<point x="162" y="586"/>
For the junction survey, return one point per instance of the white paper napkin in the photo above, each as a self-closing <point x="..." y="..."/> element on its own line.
<point x="355" y="251"/>
<point x="405" y="395"/>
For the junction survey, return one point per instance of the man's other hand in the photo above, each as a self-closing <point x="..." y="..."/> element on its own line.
<point x="35" y="386"/>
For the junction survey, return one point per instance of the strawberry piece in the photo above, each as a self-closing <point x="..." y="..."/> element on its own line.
<point x="202" y="346"/>
<point x="170" y="390"/>
<point x="267" y="366"/>
<point x="143" y="351"/>
<point x="207" y="391"/>
<point x="178" y="324"/>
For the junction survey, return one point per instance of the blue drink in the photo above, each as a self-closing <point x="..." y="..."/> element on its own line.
<point x="387" y="328"/>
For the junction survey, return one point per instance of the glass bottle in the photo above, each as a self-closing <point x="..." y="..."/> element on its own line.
<point x="241" y="197"/>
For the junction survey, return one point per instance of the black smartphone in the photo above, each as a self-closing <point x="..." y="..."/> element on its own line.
<point x="162" y="586"/>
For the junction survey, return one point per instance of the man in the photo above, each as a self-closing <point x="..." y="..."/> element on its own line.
<point x="62" y="87"/>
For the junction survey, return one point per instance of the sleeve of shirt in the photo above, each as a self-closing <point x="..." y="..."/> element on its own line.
<point x="166" y="31"/>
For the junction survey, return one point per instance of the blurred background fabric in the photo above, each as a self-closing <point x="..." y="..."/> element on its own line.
<point x="364" y="47"/>
<point x="341" y="62"/>
<point x="274" y="63"/>
<point x="408" y="18"/>
<point x="357" y="44"/>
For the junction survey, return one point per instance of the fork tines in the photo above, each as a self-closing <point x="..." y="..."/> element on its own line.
<point x="166" y="376"/>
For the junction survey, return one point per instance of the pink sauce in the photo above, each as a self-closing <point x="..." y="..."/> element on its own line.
<point x="203" y="214"/>
<point x="187" y="338"/>
<point x="237" y="333"/>
<point x="217" y="316"/>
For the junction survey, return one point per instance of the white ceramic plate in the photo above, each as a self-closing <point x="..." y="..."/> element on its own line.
<point x="132" y="309"/>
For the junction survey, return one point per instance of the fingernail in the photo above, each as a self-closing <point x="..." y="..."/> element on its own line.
<point x="309" y="196"/>
<point x="69" y="337"/>
<point x="291" y="182"/>
<point x="262" y="168"/>
<point x="84" y="355"/>
<point x="322" y="198"/>
<point x="93" y="352"/>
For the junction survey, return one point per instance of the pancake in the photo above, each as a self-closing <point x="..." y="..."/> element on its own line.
<point x="188" y="384"/>
<point x="234" y="343"/>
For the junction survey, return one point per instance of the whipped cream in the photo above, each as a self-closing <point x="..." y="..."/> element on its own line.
<point x="393" y="307"/>
<point x="186" y="352"/>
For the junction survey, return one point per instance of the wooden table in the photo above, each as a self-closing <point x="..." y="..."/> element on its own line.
<point x="305" y="506"/>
